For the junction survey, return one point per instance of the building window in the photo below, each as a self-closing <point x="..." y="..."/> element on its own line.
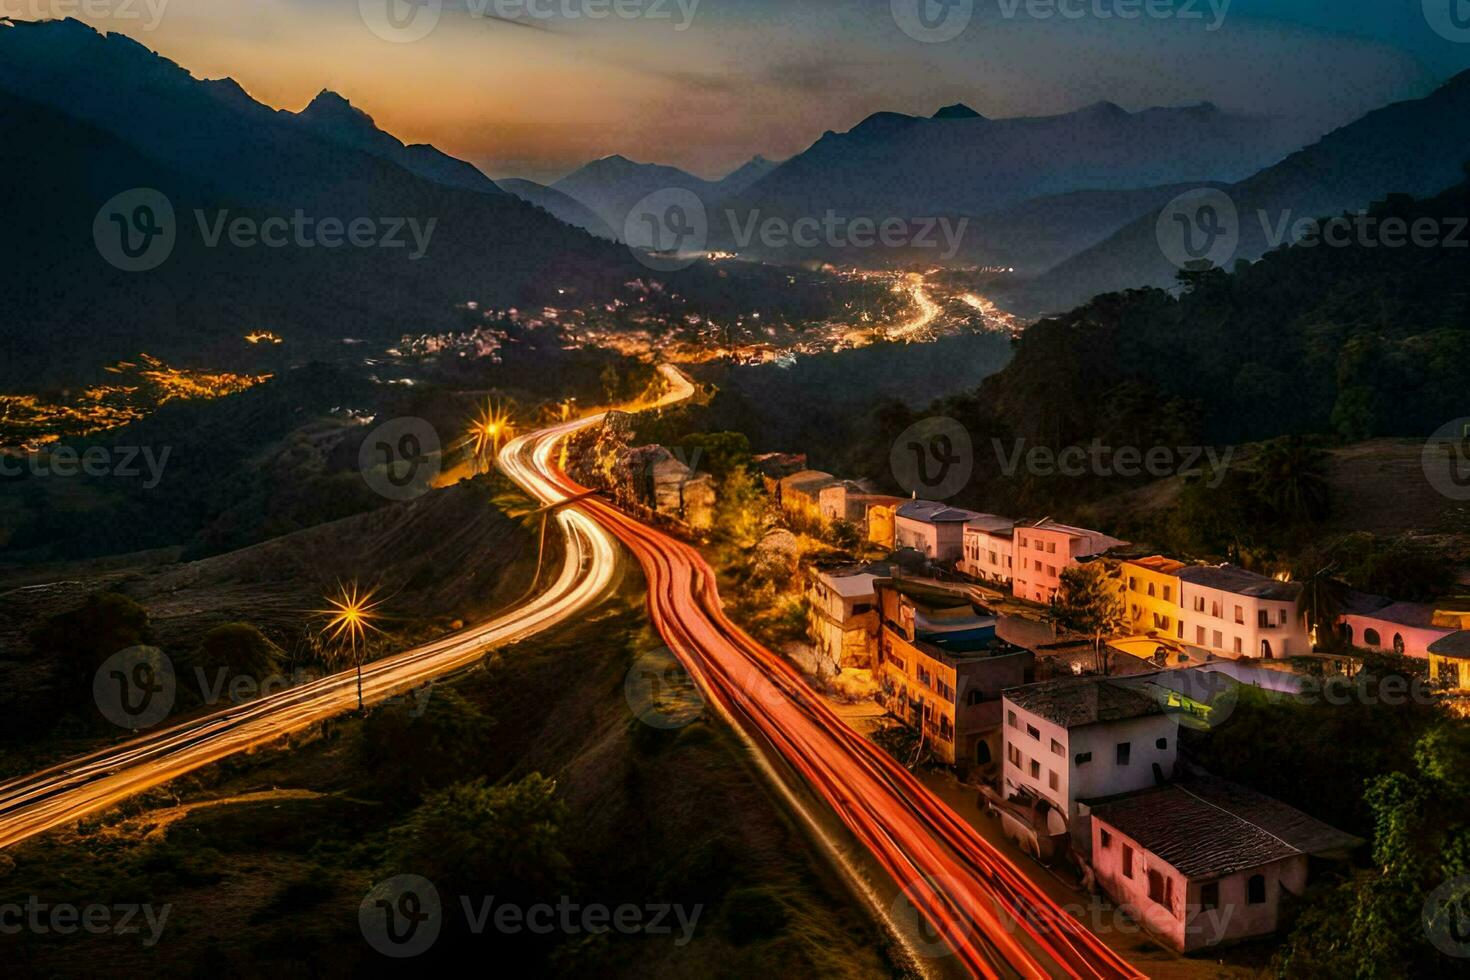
<point x="1151" y="593"/>
<point x="1238" y="647"/>
<point x="1219" y="639"/>
<point x="1199" y="603"/>
<point x="1034" y="732"/>
<point x="1159" y="888"/>
<point x="1372" y="639"/>
<point x="1127" y="861"/>
<point x="1083" y="758"/>
<point x="1014" y="755"/>
<point x="1255" y="890"/>
<point x="1240" y="615"/>
<point x="1051" y="570"/>
<point x="1132" y="584"/>
<point x="975" y="697"/>
<point x="1398" y="644"/>
<point x="1107" y="840"/>
<point x="1263" y="619"/>
<point x="1181" y="629"/>
<point x="1035" y="769"/>
<point x="1282" y="613"/>
<point x="1162" y="743"/>
<point x="982" y="753"/>
<point x="1011" y="718"/>
<point x="1209" y="896"/>
<point x="1051" y="547"/>
<point x="1199" y="635"/>
<point x="1125" y="750"/>
<point x="1051" y="779"/>
<point x="1168" y="593"/>
<point x="1215" y="609"/>
<point x="1056" y="748"/>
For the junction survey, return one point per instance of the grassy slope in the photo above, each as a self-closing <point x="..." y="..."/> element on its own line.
<point x="272" y="884"/>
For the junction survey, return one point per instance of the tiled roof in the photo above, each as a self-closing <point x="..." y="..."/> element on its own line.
<point x="1229" y="578"/>
<point x="1208" y="828"/>
<point x="935" y="513"/>
<point x="1456" y="645"/>
<point x="1075" y="701"/>
<point x="1416" y="615"/>
<point x="1158" y="563"/>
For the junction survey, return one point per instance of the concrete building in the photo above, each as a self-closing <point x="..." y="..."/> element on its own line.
<point x="989" y="549"/>
<point x="1042" y="550"/>
<point x="1449" y="661"/>
<point x="1235" y="613"/>
<point x="1152" y="597"/>
<point x="843" y="617"/>
<point x="1205" y="862"/>
<point x="934" y="530"/>
<point x="800" y="493"/>
<point x="1405" y="628"/>
<point x="942" y="672"/>
<point x="1082" y="738"/>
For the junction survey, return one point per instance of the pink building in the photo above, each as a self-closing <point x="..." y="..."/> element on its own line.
<point x="989" y="549"/>
<point x="1043" y="549"/>
<point x="932" y="529"/>
<point x="1206" y="862"/>
<point x="1405" y="628"/>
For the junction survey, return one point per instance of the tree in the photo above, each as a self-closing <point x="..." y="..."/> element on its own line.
<point x="475" y="839"/>
<point x="741" y="509"/>
<point x="78" y="641"/>
<point x="240" y="650"/>
<point x="425" y="740"/>
<point x="721" y="453"/>
<point x="1291" y="480"/>
<point x="1089" y="602"/>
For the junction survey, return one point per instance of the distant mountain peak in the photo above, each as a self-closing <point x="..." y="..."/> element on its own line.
<point x="329" y="107"/>
<point x="1103" y="108"/>
<point x="957" y="111"/>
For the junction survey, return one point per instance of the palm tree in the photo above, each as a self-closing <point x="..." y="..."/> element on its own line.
<point x="1291" y="477"/>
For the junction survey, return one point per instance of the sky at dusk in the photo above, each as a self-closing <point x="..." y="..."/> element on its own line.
<point x="706" y="84"/>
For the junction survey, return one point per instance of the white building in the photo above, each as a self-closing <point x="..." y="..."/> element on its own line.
<point x="843" y="618"/>
<point x="1236" y="613"/>
<point x="1085" y="738"/>
<point x="934" y="530"/>
<point x="989" y="548"/>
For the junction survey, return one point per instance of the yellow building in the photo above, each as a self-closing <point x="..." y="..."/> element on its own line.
<point x="882" y="520"/>
<point x="1449" y="663"/>
<point x="1151" y="594"/>
<point x="942" y="673"/>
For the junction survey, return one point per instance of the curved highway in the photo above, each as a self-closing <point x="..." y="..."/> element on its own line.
<point x="59" y="795"/>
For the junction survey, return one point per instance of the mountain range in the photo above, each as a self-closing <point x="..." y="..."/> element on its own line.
<point x="612" y="186"/>
<point x="1416" y="147"/>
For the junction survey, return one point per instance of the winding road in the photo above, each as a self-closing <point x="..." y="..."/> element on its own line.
<point x="993" y="917"/>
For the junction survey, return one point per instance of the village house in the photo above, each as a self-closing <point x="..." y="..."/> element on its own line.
<point x="773" y="467"/>
<point x="1204" y="861"/>
<point x="1042" y="550"/>
<point x="882" y="526"/>
<point x="651" y="476"/>
<point x="941" y="672"/>
<point x="800" y="493"/>
<point x="1405" y="628"/>
<point x="934" y="530"/>
<point x="832" y="500"/>
<point x="1082" y="738"/>
<point x="843" y="617"/>
<point x="1237" y="613"/>
<point x="1151" y="595"/>
<point x="988" y="549"/>
<point x="1449" y="661"/>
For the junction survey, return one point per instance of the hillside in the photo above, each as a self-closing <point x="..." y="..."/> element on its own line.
<point x="1415" y="147"/>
